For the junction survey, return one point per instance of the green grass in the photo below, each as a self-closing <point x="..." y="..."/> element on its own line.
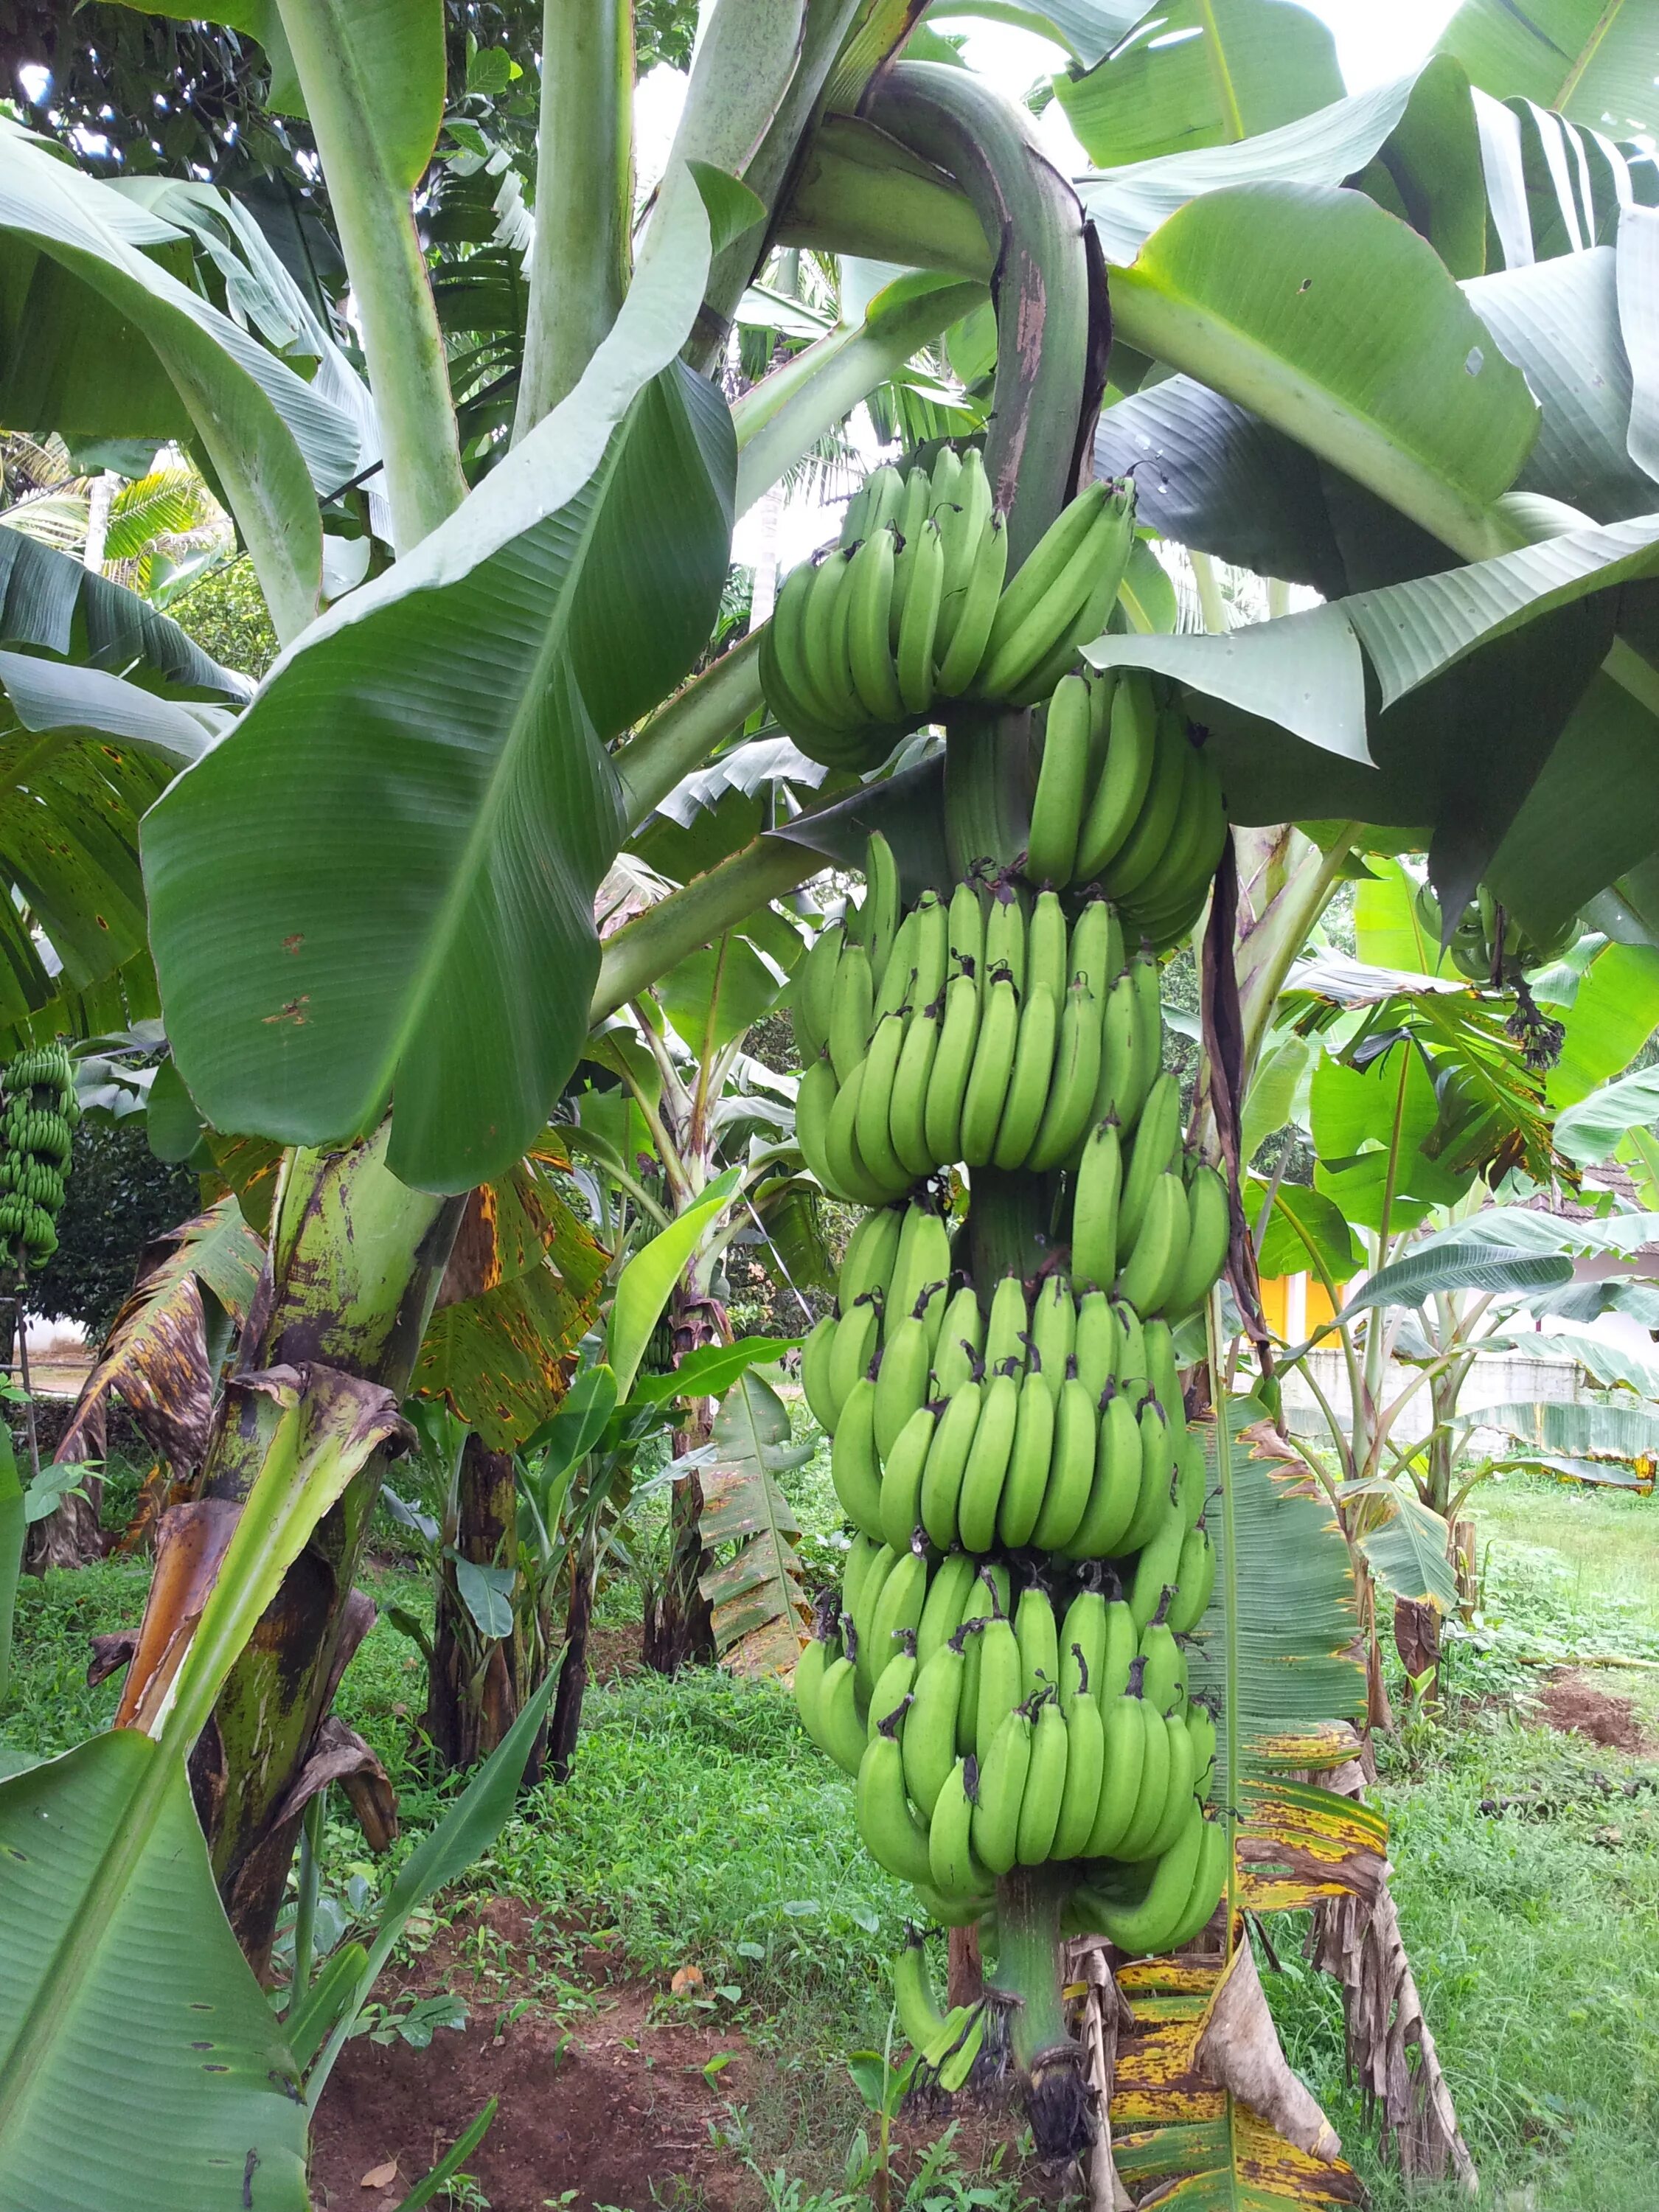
<point x="699" y="1828"/>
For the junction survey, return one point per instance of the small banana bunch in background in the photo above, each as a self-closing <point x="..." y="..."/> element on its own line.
<point x="909" y="609"/>
<point x="37" y="1136"/>
<point x="1475" y="947"/>
<point x="1127" y="800"/>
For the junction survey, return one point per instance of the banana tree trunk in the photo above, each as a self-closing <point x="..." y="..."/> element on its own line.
<point x="476" y="1683"/>
<point x="678" y="1624"/>
<point x="356" y="1259"/>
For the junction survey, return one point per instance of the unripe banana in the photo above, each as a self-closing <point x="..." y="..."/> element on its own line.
<point x="850" y="1173"/>
<point x="898" y="1608"/>
<point x="814" y="1101"/>
<point x="861" y="1555"/>
<point x="810" y="1670"/>
<point x="871" y="1256"/>
<point x="947" y="1464"/>
<point x="1083" y="1644"/>
<point x="1076" y="1078"/>
<point x="1209" y="1232"/>
<point x="953" y="1582"/>
<point x="870" y="597"/>
<point x="854" y="1347"/>
<point x="1007" y="1328"/>
<point x="919" y="622"/>
<point x="895" y="994"/>
<point x="1152" y="1799"/>
<point x="1132" y="1361"/>
<point x="1100" y="568"/>
<point x="854" y="1468"/>
<point x="1201" y="1724"/>
<point x="903" y="1466"/>
<point x="1194" y="1581"/>
<point x="1145" y="1276"/>
<point x="962" y="1332"/>
<point x="1053" y="1331"/>
<point x="965" y="929"/>
<point x="1157" y="1568"/>
<point x="1061" y="786"/>
<point x="1208" y="1882"/>
<point x="1143" y="848"/>
<point x="1041" y="601"/>
<point x="1157" y="1346"/>
<point x="965" y="629"/>
<point x="1123" y="1728"/>
<point x="892" y="1835"/>
<point x="987" y="1464"/>
<point x="1156" y="1146"/>
<point x="994" y="1062"/>
<point x="1181" y="1801"/>
<point x="962" y="523"/>
<point x="1094" y="1207"/>
<point x="1045" y="1785"/>
<point x="840" y="1724"/>
<point x="1096" y="1343"/>
<point x="1085" y="1763"/>
<point x="919" y="2016"/>
<point x="1119" y="1650"/>
<point x="1006" y="933"/>
<point x="813" y="990"/>
<point x="1030" y="1079"/>
<point x="989" y="1599"/>
<point x="923" y="1261"/>
<point x="933" y="948"/>
<point x="998" y="1687"/>
<point x="1154" y="1495"/>
<point x="957" y="1870"/>
<point x="852" y="1010"/>
<point x="890" y="1699"/>
<point x="885" y="904"/>
<point x="872" y="1123"/>
<point x="1002" y="1775"/>
<point x="1072" y="1468"/>
<point x="1162" y="1680"/>
<point x="952" y="1068"/>
<point x="1029" y="1458"/>
<point x="1037" y="1632"/>
<point x="1143" y="1929"/>
<point x="814" y="1357"/>
<point x="1115" y="1483"/>
<point x="929" y="1742"/>
<point x="822" y="641"/>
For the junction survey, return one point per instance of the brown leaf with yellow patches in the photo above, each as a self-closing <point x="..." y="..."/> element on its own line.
<point x="1298" y="1843"/>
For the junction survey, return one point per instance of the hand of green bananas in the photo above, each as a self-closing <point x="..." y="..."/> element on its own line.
<point x="1006" y="1732"/>
<point x="909" y="606"/>
<point x="37" y="1136"/>
<point x="1475" y="949"/>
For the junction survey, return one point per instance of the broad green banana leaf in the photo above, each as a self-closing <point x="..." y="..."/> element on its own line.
<point x="1583" y="1431"/>
<point x="758" y="1594"/>
<point x="1589" y="1131"/>
<point x="382" y="880"/>
<point x="1638" y="323"/>
<point x="1307" y="1232"/>
<point x="1408" y="1549"/>
<point x="1415" y="134"/>
<point x="1552" y="186"/>
<point x="644" y="1286"/>
<point x="273" y="441"/>
<point x="1242" y="67"/>
<point x="1088" y="29"/>
<point x="1591" y="58"/>
<point x="122" y="1988"/>
<point x="1471" y="1265"/>
<point x="1615" y="1010"/>
<point x="14" y="1527"/>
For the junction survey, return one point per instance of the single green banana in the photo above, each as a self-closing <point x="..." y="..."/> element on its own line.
<point x="839" y="1722"/>
<point x="871" y="1251"/>
<point x="954" y="1579"/>
<point x="861" y="1555"/>
<point x="1115" y="1484"/>
<point x="988" y="1600"/>
<point x="1131" y="1362"/>
<point x="1047" y="946"/>
<point x="871" y="1128"/>
<point x="897" y="1607"/>
<point x="897" y="992"/>
<point x="1027" y="616"/>
<point x="1094" y="1207"/>
<point x="993" y="1064"/>
<point x="1120" y="1649"/>
<point x="890" y="1699"/>
<point x="1156" y="1567"/>
<point x="957" y="1870"/>
<point x="823" y="627"/>
<point x="947" y="1464"/>
<point x="953" y="1066"/>
<point x="1061" y="786"/>
<point x="1172" y="878"/>
<point x="870" y="598"/>
<point x="1161" y="1679"/>
<point x="1156" y="1146"/>
<point x="886" y="905"/>
<point x="964" y="640"/>
<point x="854" y="1468"/>
<point x="963" y="523"/>
<point x="1133" y="810"/>
<point x="892" y="1835"/>
<point x="1007" y="1329"/>
<point x="1096" y="952"/>
<point x="933" y="948"/>
<point x="1096" y="1343"/>
<point x="903" y="1465"/>
<point x="966" y="929"/>
<point x="1029" y="1458"/>
<point x="1209" y="1233"/>
<point x="1153" y="1266"/>
<point x="907" y="1113"/>
<point x="1148" y="1034"/>
<point x="1181" y="1801"/>
<point x="929" y="1742"/>
<point x="1123" y="1731"/>
<point x="1153" y="1798"/>
<point x="1028" y="1081"/>
<point x="1085" y="1763"/>
<point x="1114" y="1087"/>
<point x="811" y="991"/>
<point x="1002" y="1775"/>
<point x="918" y="627"/>
<point x="1103" y="566"/>
<point x="1045" y="1785"/>
<point x="1037" y="1634"/>
<point x="1076" y="1077"/>
<point x="919" y="2016"/>
<point x="1053" y="1330"/>
<point x="1208" y="1883"/>
<point x="1006" y="933"/>
<point x="1143" y="1929"/>
<point x="1194" y="1581"/>
<point x="854" y="1347"/>
<point x="852" y="1010"/>
<point x="1154" y="1493"/>
<point x="998" y="1686"/>
<point x="923" y="1263"/>
<point x="810" y="1669"/>
<point x="815" y="1356"/>
<point x="1082" y="1644"/>
<point x="1071" y="1469"/>
<point x="987" y="1464"/>
<point x="962" y="1332"/>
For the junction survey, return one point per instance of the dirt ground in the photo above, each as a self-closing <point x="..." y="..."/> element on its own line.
<point x="617" y="2110"/>
<point x="1574" y="1704"/>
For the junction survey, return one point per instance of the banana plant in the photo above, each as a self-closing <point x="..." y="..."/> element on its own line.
<point x="464" y="698"/>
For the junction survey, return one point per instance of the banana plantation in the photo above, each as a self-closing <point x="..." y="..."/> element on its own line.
<point x="830" y="1003"/>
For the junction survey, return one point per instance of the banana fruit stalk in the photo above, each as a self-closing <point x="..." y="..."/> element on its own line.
<point x="913" y="607"/>
<point x="37" y="1138"/>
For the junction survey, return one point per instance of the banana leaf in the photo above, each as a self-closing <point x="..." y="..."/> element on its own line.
<point x="14" y="1527"/>
<point x="757" y="1595"/>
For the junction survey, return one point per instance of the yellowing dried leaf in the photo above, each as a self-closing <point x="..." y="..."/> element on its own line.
<point x="380" y="2177"/>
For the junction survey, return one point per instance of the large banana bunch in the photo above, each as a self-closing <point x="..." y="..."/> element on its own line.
<point x="1475" y="949"/>
<point x="989" y="1030"/>
<point x="37" y="1135"/>
<point x="908" y="609"/>
<point x="1127" y="799"/>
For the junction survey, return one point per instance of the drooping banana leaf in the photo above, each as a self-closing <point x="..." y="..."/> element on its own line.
<point x="758" y="1594"/>
<point x="455" y="709"/>
<point x="1593" y="58"/>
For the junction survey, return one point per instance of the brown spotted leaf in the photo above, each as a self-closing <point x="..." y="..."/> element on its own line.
<point x="1298" y="1843"/>
<point x="757" y="1594"/>
<point x="155" y="1356"/>
<point x="520" y="1292"/>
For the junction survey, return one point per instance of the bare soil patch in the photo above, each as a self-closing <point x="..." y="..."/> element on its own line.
<point x="614" y="2107"/>
<point x="1576" y="1705"/>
